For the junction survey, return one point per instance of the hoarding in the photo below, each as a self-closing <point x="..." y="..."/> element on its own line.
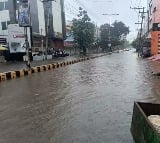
<point x="16" y="38"/>
<point x="24" y="14"/>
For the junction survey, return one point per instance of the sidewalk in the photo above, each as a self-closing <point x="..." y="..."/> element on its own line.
<point x="11" y="66"/>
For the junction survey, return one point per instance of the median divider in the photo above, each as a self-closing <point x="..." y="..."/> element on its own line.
<point x="19" y="73"/>
<point x="25" y="72"/>
<point x="34" y="70"/>
<point x="3" y="77"/>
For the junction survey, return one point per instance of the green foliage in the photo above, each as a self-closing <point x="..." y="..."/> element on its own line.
<point x="135" y="43"/>
<point x="83" y="30"/>
<point x="118" y="32"/>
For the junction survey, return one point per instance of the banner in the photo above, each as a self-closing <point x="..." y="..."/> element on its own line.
<point x="24" y="18"/>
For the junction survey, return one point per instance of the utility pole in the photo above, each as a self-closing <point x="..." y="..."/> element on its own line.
<point x="140" y="49"/>
<point x="110" y="22"/>
<point x="47" y="33"/>
<point x="42" y="43"/>
<point x="25" y="21"/>
<point x="27" y="48"/>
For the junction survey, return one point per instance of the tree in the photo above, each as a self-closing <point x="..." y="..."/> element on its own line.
<point x="118" y="32"/>
<point x="135" y="43"/>
<point x="83" y="30"/>
<point x="104" y="36"/>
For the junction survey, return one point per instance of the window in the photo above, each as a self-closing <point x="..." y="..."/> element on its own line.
<point x="2" y="6"/>
<point x="4" y="25"/>
<point x="155" y="9"/>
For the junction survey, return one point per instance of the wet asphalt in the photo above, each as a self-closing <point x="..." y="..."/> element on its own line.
<point x="89" y="102"/>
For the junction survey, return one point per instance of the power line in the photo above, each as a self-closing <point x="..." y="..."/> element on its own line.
<point x="141" y="12"/>
<point x="90" y="12"/>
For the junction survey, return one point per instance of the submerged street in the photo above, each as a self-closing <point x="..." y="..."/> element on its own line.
<point x="88" y="102"/>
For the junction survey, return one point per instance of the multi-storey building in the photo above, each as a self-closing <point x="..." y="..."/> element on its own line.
<point x="47" y="19"/>
<point x="154" y="25"/>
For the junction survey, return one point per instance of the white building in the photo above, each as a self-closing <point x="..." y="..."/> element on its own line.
<point x="44" y="16"/>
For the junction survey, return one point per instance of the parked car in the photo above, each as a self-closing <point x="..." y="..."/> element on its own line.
<point x="40" y="53"/>
<point x="60" y="53"/>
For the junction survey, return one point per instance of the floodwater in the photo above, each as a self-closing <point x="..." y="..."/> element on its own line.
<point x="89" y="102"/>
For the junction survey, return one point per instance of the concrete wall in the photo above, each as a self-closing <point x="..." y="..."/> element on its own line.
<point x="154" y="17"/>
<point x="156" y="11"/>
<point x="41" y="17"/>
<point x="34" y="16"/>
<point x="7" y="14"/>
<point x="11" y="6"/>
<point x="4" y="18"/>
<point x="57" y="19"/>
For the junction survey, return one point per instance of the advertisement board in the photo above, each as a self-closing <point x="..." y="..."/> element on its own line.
<point x="16" y="38"/>
<point x="24" y="17"/>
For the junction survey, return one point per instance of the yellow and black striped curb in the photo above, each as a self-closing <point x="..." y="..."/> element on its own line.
<point x="25" y="72"/>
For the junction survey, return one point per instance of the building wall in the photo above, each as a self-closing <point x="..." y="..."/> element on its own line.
<point x="11" y="6"/>
<point x="154" y="17"/>
<point x="41" y="18"/>
<point x="34" y="16"/>
<point x="3" y="20"/>
<point x="156" y="11"/>
<point x="5" y="15"/>
<point x="57" y="17"/>
<point x="154" y="41"/>
<point x="150" y="12"/>
<point x="63" y="19"/>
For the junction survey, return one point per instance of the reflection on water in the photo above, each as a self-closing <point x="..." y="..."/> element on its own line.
<point x="87" y="102"/>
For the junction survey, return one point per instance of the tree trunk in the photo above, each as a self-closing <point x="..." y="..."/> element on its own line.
<point x="84" y="50"/>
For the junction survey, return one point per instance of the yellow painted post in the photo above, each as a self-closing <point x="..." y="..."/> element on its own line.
<point x="3" y="77"/>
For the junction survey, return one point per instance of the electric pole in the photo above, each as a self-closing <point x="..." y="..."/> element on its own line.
<point x="142" y="12"/>
<point x="42" y="43"/>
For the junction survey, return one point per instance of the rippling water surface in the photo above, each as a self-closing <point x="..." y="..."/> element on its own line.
<point x="89" y="102"/>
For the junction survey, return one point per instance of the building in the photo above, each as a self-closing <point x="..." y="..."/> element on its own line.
<point x="154" y="8"/>
<point x="7" y="14"/>
<point x="153" y="25"/>
<point x="47" y="18"/>
<point x="69" y="42"/>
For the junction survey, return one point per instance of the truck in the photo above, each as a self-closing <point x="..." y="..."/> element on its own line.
<point x="142" y="129"/>
<point x="16" y="43"/>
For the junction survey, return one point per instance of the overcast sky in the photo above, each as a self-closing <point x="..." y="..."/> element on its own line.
<point x="96" y="8"/>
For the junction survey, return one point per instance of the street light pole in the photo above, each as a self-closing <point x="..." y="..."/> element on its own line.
<point x="27" y="49"/>
<point x="42" y="43"/>
<point x="110" y="22"/>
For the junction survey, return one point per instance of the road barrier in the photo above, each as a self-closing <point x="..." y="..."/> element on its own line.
<point x="19" y="73"/>
<point x="25" y="72"/>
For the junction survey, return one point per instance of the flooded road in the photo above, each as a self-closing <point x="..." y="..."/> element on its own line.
<point x="89" y="102"/>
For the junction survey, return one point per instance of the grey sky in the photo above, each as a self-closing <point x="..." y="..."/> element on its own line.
<point x="96" y="8"/>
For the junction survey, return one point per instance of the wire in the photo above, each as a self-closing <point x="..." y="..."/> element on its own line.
<point x="90" y="12"/>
